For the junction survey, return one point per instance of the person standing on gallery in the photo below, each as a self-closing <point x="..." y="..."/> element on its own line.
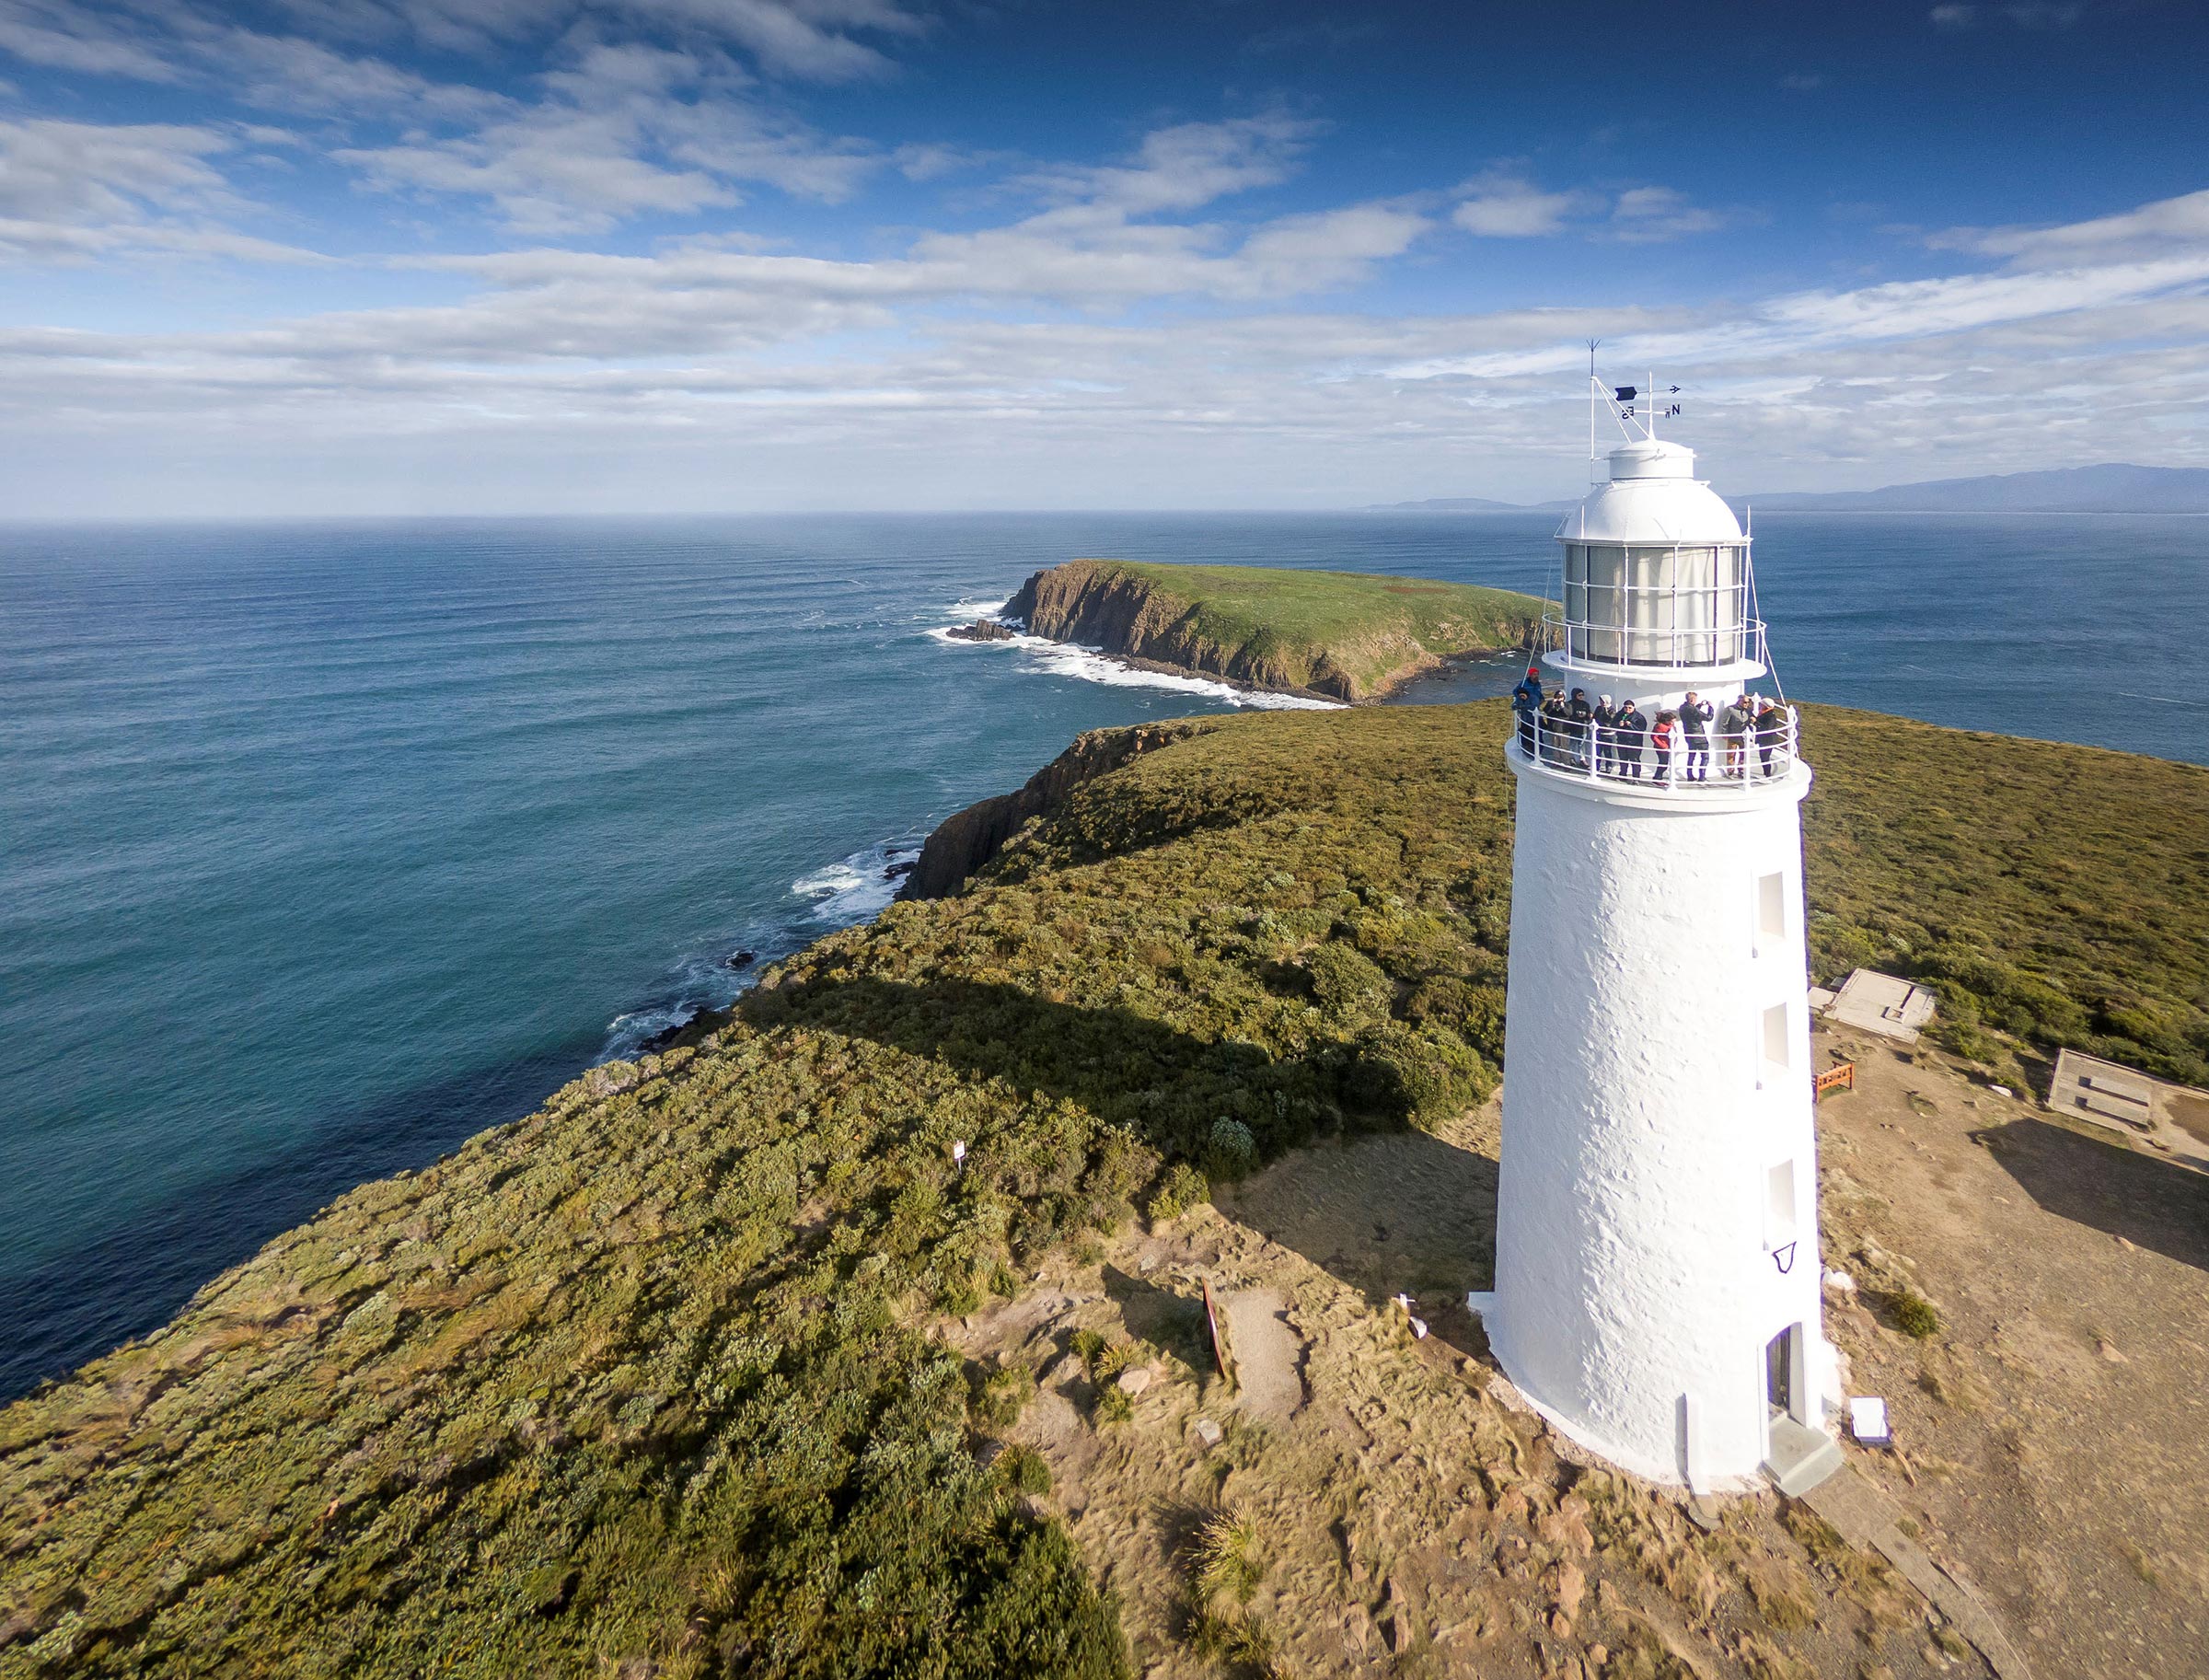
<point x="1632" y="728"/>
<point x="1772" y="733"/>
<point x="1734" y="725"/>
<point x="1663" y="738"/>
<point x="1526" y="704"/>
<point x="1694" y="738"/>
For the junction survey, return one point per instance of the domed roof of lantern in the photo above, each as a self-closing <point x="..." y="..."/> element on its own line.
<point x="1652" y="497"/>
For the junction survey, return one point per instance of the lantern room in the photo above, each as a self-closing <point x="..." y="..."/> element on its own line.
<point x="1656" y="575"/>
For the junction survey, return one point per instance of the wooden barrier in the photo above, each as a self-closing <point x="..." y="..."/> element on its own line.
<point x="1842" y="1077"/>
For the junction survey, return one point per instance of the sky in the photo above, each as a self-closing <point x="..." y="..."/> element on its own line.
<point x="513" y="257"/>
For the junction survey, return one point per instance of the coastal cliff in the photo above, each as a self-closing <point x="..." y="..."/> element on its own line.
<point x="1330" y="635"/>
<point x="963" y="843"/>
<point x="864" y="1335"/>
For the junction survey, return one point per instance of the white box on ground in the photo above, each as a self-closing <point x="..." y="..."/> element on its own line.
<point x="1868" y="1422"/>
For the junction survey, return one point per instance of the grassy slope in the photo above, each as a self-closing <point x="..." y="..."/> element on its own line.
<point x="643" y="1375"/>
<point x="1291" y="618"/>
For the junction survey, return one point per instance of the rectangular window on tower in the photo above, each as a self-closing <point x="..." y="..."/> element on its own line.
<point x="1776" y="1037"/>
<point x="1779" y="1205"/>
<point x="1770" y="911"/>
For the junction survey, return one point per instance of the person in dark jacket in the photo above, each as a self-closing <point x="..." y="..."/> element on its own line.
<point x="1771" y="732"/>
<point x="1556" y="730"/>
<point x="1526" y="704"/>
<point x="1734" y="725"/>
<point x="1694" y="737"/>
<point x="1633" y="732"/>
<point x="1583" y="728"/>
<point x="1607" y="736"/>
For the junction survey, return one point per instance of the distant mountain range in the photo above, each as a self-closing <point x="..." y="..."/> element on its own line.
<point x="2109" y="489"/>
<point x="1468" y="504"/>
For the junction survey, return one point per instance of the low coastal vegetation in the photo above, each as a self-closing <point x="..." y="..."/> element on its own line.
<point x="1340" y="635"/>
<point x="646" y="1384"/>
<point x="2052" y="895"/>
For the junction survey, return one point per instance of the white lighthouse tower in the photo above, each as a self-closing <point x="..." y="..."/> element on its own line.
<point x="1656" y="1258"/>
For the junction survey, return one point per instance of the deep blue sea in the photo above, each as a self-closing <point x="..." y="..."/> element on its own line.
<point x="324" y="846"/>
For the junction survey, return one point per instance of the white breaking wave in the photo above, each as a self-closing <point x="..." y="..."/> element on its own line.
<point x="967" y="611"/>
<point x="1095" y="665"/>
<point x="857" y="888"/>
<point x="861" y="886"/>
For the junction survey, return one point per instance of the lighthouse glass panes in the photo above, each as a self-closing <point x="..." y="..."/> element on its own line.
<point x="1631" y="604"/>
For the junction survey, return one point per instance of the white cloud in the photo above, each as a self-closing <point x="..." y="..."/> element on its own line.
<point x="2146" y="231"/>
<point x="1330" y="250"/>
<point x="68" y="37"/>
<point x="814" y="39"/>
<point x="1186" y="166"/>
<point x="1502" y="205"/>
<point x="2042" y="14"/>
<point x="628" y="130"/>
<point x="653" y="113"/>
<point x="288" y="73"/>
<point x="1647" y="215"/>
<point x="171" y="40"/>
<point x="87" y="173"/>
<point x="1953" y="16"/>
<point x="74" y="192"/>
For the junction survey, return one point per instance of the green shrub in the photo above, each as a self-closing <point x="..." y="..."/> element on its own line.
<point x="1000" y="1395"/>
<point x="1345" y="981"/>
<point x="1232" y="1149"/>
<point x="1226" y="1556"/>
<point x="1025" y="1469"/>
<point x="1913" y="1313"/>
<point x="1180" y="1188"/>
<point x="1421" y="1075"/>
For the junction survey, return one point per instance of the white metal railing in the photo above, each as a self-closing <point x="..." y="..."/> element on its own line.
<point x="1718" y="760"/>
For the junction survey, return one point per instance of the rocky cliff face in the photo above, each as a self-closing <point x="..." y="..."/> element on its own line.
<point x="1101" y="604"/>
<point x="969" y="839"/>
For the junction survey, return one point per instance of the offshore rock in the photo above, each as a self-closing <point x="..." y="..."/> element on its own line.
<point x="981" y="629"/>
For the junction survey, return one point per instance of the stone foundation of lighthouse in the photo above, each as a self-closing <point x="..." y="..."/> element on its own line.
<point x="1657" y="1261"/>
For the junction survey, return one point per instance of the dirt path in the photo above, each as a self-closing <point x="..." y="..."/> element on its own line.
<point x="1267" y="1353"/>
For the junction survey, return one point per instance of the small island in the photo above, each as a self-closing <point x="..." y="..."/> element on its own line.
<point x="1347" y="636"/>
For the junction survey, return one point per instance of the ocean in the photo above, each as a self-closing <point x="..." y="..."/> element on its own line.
<point x="325" y="846"/>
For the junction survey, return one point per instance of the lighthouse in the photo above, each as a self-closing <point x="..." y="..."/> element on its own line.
<point x="1657" y="1286"/>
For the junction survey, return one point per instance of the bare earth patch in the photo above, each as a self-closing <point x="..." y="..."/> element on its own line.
<point x="1406" y="1521"/>
<point x="2052" y="1436"/>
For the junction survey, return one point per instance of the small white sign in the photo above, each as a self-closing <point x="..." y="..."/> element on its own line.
<point x="1868" y="1422"/>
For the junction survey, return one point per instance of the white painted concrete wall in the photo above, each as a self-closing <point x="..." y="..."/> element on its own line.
<point x="1640" y="1119"/>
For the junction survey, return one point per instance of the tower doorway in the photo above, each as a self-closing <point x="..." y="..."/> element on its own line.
<point x="1779" y="1372"/>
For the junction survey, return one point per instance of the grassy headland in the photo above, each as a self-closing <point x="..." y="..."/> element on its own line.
<point x="646" y="1378"/>
<point x="1340" y="635"/>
